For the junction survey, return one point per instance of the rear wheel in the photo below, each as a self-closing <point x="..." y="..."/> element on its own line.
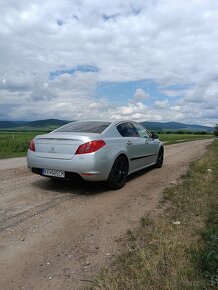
<point x="118" y="174"/>
<point x="160" y="158"/>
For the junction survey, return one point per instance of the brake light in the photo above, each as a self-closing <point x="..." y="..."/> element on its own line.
<point x="32" y="146"/>
<point x="90" y="147"/>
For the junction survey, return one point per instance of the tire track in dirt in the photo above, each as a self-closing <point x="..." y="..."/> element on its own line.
<point x="69" y="230"/>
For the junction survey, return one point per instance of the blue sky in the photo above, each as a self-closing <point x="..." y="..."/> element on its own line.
<point x="71" y="71"/>
<point x="142" y="60"/>
<point x="125" y="90"/>
<point x="122" y="92"/>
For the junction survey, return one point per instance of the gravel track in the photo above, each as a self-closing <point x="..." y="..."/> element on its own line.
<point x="57" y="235"/>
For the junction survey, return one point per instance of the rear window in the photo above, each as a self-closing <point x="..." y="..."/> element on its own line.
<point x="85" y="127"/>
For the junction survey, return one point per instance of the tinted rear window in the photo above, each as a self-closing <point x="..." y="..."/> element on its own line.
<point x="127" y="130"/>
<point x="86" y="127"/>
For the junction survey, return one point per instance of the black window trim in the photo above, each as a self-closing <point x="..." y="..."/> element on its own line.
<point x="123" y="122"/>
<point x="148" y="132"/>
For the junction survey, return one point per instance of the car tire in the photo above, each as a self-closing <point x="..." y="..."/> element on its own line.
<point x="160" y="158"/>
<point x="118" y="174"/>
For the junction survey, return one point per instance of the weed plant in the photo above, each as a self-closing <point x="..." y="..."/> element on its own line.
<point x="178" y="249"/>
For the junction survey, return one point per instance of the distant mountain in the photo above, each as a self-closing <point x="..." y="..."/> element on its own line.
<point x="40" y="124"/>
<point x="49" y="124"/>
<point x="175" y="126"/>
<point x="12" y="124"/>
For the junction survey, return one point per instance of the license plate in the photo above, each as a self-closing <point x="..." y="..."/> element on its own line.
<point x="53" y="173"/>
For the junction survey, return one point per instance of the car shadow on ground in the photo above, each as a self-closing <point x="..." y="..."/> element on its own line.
<point x="75" y="186"/>
<point x="78" y="186"/>
<point x="139" y="173"/>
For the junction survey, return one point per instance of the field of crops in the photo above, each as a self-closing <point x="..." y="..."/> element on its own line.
<point x="15" y="144"/>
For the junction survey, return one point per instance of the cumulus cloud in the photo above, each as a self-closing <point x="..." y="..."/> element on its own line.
<point x="140" y="95"/>
<point x="206" y="91"/>
<point x="130" y="111"/>
<point x="162" y="104"/>
<point x="170" y="42"/>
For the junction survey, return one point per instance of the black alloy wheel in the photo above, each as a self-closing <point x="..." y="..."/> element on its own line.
<point x="160" y="158"/>
<point x="118" y="174"/>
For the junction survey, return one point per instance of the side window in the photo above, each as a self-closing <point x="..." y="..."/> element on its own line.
<point x="141" y="131"/>
<point x="127" y="130"/>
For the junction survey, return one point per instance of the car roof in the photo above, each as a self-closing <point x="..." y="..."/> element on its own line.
<point x="112" y="121"/>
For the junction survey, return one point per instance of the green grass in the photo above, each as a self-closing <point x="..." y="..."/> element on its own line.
<point x="178" y="249"/>
<point x="206" y="257"/>
<point x="15" y="144"/>
<point x="178" y="138"/>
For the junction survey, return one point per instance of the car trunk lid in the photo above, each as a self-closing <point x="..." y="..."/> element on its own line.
<point x="60" y="146"/>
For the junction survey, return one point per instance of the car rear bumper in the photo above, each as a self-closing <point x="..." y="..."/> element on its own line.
<point x="88" y="167"/>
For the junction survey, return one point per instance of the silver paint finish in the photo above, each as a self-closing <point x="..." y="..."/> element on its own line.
<point x="56" y="150"/>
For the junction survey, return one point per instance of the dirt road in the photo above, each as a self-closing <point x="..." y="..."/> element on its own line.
<point x="12" y="163"/>
<point x="56" y="235"/>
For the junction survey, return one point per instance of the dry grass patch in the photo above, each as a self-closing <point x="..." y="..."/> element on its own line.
<point x="168" y="252"/>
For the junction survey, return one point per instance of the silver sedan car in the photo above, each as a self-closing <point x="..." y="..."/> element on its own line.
<point x="96" y="151"/>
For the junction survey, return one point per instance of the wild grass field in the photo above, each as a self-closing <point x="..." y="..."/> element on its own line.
<point x="15" y="144"/>
<point x="179" y="248"/>
<point x="178" y="138"/>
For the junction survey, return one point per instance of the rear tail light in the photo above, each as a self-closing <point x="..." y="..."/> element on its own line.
<point x="90" y="147"/>
<point x="32" y="146"/>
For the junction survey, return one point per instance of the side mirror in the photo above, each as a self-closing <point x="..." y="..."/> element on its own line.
<point x="154" y="135"/>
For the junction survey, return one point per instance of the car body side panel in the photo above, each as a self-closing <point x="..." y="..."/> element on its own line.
<point x="141" y="152"/>
<point x="136" y="152"/>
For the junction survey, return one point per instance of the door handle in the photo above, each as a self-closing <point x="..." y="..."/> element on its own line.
<point x="129" y="143"/>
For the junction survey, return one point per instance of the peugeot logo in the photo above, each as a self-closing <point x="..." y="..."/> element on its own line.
<point x="52" y="149"/>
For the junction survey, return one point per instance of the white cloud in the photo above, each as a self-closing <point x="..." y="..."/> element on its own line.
<point x="140" y="95"/>
<point x="162" y="104"/>
<point x="205" y="91"/>
<point x="171" y="42"/>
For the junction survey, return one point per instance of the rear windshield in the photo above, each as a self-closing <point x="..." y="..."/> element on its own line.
<point x="86" y="127"/>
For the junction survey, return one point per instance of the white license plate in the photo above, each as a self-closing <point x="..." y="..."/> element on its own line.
<point x="54" y="173"/>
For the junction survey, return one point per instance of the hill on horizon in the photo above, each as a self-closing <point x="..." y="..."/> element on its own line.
<point x="31" y="125"/>
<point x="175" y="126"/>
<point x="55" y="123"/>
<point x="47" y="123"/>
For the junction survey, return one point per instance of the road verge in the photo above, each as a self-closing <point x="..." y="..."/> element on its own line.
<point x="177" y="249"/>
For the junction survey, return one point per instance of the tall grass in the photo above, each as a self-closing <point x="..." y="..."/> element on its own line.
<point x="14" y="144"/>
<point x="206" y="257"/>
<point x="178" y="249"/>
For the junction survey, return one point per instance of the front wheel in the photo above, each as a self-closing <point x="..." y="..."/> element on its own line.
<point x="160" y="158"/>
<point x="118" y="174"/>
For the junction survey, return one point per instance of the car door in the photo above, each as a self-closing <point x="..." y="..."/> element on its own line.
<point x="135" y="145"/>
<point x="149" y="146"/>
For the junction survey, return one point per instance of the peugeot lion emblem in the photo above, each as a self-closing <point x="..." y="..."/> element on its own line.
<point x="52" y="148"/>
